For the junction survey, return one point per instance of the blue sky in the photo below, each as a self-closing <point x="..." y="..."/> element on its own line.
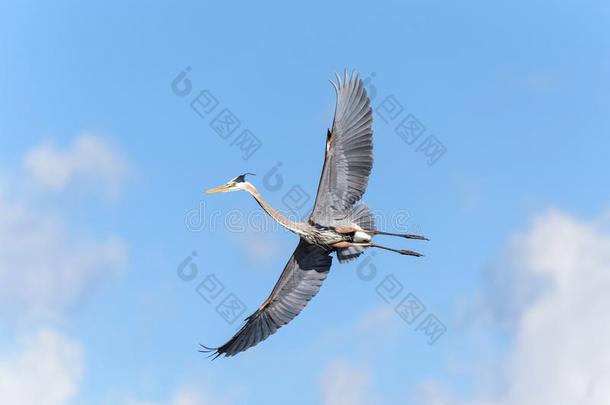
<point x="101" y="162"/>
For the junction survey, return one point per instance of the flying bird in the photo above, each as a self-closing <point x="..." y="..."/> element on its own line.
<point x="338" y="223"/>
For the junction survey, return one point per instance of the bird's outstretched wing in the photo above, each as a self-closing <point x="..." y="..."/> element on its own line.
<point x="349" y="153"/>
<point x="300" y="281"/>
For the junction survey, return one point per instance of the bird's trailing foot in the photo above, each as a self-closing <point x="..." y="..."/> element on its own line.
<point x="410" y="253"/>
<point x="401" y="235"/>
<point x="401" y="251"/>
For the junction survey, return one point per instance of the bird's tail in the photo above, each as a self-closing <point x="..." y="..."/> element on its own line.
<point x="362" y="216"/>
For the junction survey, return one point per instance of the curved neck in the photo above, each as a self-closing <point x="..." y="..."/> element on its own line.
<point x="279" y="217"/>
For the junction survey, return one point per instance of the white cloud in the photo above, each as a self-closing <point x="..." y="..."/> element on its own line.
<point x="435" y="393"/>
<point x="46" y="371"/>
<point x="560" y="352"/>
<point x="43" y="269"/>
<point x="261" y="250"/>
<point x="379" y="323"/>
<point x="89" y="157"/>
<point x="344" y="383"/>
<point x="257" y="249"/>
<point x="188" y="396"/>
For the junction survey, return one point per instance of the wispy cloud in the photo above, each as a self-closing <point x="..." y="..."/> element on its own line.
<point x="379" y="323"/>
<point x="188" y="396"/>
<point x="47" y="370"/>
<point x="89" y="157"/>
<point x="44" y="269"/>
<point x="559" y="352"/>
<point x="345" y="383"/>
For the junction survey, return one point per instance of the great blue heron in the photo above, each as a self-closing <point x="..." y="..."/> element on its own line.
<point x="337" y="223"/>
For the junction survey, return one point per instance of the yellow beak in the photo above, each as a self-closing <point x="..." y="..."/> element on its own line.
<point x="220" y="189"/>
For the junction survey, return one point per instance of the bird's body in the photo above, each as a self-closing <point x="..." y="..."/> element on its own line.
<point x="329" y="237"/>
<point x="338" y="223"/>
<point x="319" y="235"/>
<point x="313" y="233"/>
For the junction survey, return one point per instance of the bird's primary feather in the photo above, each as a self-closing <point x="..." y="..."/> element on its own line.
<point x="300" y="281"/>
<point x="349" y="153"/>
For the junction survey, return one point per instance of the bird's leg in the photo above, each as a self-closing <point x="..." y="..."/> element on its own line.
<point x="402" y="235"/>
<point x="401" y="251"/>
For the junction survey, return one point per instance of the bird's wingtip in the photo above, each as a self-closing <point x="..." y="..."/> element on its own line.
<point x="210" y="351"/>
<point x="335" y="86"/>
<point x="345" y="77"/>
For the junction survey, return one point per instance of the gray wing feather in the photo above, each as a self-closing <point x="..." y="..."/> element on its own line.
<point x="300" y="281"/>
<point x="349" y="153"/>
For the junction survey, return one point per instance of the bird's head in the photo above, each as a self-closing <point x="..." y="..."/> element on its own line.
<point x="239" y="183"/>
